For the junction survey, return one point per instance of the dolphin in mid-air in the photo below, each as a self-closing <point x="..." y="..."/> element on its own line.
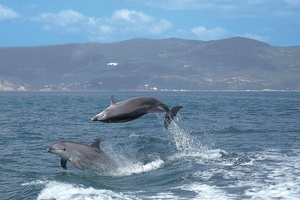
<point x="83" y="156"/>
<point x="134" y="108"/>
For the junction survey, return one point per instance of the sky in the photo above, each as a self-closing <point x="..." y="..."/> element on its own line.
<point x="51" y="22"/>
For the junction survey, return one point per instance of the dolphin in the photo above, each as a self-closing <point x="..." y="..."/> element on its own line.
<point x="134" y="108"/>
<point x="83" y="156"/>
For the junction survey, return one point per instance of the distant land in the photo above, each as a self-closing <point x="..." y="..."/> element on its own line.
<point x="151" y="64"/>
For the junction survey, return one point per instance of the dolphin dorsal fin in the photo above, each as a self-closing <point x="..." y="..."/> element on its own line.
<point x="112" y="100"/>
<point x="96" y="144"/>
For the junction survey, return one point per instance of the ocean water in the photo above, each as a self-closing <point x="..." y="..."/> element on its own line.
<point x="222" y="145"/>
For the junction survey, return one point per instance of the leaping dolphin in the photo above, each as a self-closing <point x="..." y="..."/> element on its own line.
<point x="83" y="156"/>
<point x="134" y="108"/>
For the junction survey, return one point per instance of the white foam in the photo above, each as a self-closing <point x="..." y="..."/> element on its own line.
<point x="163" y="195"/>
<point x="284" y="190"/>
<point x="277" y="179"/>
<point x="204" y="191"/>
<point x="36" y="182"/>
<point x="64" y="191"/>
<point x="281" y="177"/>
<point x="202" y="156"/>
<point x="137" y="168"/>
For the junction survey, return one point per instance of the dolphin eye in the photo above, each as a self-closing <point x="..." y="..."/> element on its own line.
<point x="64" y="149"/>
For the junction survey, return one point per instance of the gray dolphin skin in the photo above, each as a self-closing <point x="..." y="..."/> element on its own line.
<point x="134" y="108"/>
<point x="83" y="156"/>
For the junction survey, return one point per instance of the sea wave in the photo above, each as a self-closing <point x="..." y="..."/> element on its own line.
<point x="65" y="191"/>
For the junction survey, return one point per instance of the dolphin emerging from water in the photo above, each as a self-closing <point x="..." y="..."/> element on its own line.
<point x="83" y="156"/>
<point x="134" y="108"/>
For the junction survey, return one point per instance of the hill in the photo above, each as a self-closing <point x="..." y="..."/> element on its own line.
<point x="143" y="64"/>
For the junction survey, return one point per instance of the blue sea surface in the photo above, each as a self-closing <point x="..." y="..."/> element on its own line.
<point x="221" y="145"/>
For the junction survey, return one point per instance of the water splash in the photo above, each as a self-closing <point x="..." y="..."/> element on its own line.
<point x="188" y="145"/>
<point x="138" y="168"/>
<point x="129" y="166"/>
<point x="184" y="141"/>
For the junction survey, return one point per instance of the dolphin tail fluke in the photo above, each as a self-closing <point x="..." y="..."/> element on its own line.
<point x="170" y="115"/>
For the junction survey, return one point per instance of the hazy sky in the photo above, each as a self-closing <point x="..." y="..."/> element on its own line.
<point x="47" y="22"/>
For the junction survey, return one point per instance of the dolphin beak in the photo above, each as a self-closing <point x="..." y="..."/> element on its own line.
<point x="98" y="117"/>
<point x="94" y="118"/>
<point x="50" y="149"/>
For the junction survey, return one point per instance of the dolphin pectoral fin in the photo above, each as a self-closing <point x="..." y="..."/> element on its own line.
<point x="170" y="115"/>
<point x="63" y="163"/>
<point x="112" y="100"/>
<point x="77" y="164"/>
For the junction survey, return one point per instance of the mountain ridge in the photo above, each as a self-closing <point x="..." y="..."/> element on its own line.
<point x="148" y="64"/>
